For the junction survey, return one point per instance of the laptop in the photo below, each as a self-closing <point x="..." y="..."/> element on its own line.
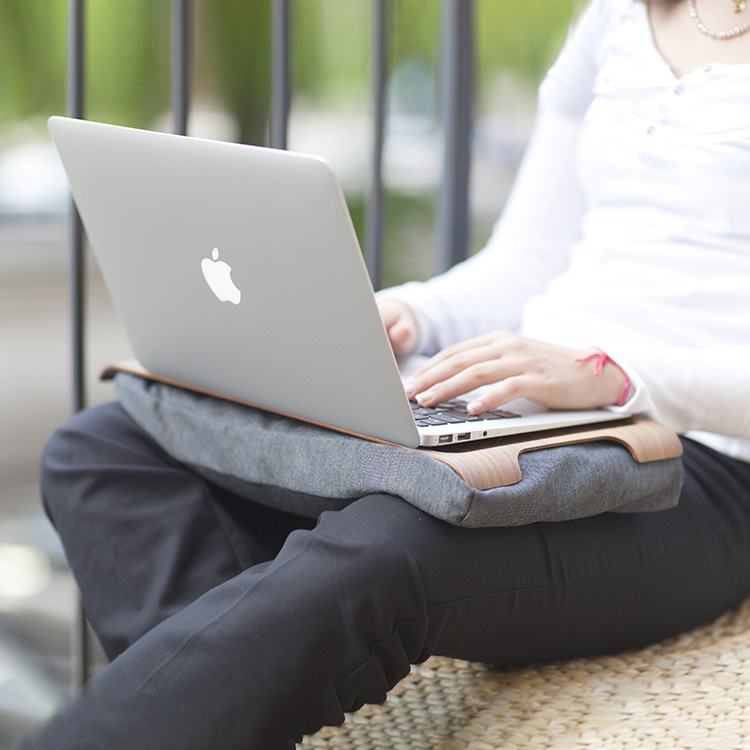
<point x="236" y="270"/>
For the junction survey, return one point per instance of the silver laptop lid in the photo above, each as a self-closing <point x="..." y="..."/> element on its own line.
<point x="170" y="218"/>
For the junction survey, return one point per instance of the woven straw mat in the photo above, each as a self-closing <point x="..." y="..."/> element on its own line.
<point x="692" y="691"/>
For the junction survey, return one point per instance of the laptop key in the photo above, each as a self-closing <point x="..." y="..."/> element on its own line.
<point x="416" y="409"/>
<point x="464" y="416"/>
<point x="504" y="414"/>
<point x="497" y="415"/>
<point x="453" y="412"/>
<point x="455" y="403"/>
<point x="450" y="418"/>
<point x="423" y="413"/>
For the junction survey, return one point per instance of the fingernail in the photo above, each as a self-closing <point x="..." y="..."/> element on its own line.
<point x="475" y="407"/>
<point x="410" y="388"/>
<point x="425" y="397"/>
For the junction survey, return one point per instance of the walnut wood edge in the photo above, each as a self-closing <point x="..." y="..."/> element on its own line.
<point x="497" y="465"/>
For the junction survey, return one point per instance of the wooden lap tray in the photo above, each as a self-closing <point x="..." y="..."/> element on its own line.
<point x="487" y="464"/>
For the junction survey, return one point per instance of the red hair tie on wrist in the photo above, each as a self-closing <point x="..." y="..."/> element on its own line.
<point x="601" y="360"/>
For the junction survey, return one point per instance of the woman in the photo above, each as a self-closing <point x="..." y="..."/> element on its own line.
<point x="234" y="626"/>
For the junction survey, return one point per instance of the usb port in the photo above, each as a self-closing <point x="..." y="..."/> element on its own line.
<point x="463" y="436"/>
<point x="445" y="439"/>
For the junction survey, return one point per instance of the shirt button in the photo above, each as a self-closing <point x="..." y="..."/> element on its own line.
<point x="679" y="89"/>
<point x="650" y="130"/>
<point x="707" y="68"/>
<point x="662" y="109"/>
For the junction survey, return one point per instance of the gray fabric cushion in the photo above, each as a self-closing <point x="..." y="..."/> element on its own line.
<point x="304" y="469"/>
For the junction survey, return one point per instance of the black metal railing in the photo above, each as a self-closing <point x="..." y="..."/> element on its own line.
<point x="456" y="74"/>
<point x="76" y="64"/>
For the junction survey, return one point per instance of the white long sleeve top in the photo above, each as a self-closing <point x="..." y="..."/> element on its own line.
<point x="628" y="229"/>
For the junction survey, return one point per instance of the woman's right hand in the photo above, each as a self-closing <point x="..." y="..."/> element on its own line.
<point x="400" y="325"/>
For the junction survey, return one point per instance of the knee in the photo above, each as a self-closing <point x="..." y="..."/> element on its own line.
<point x="370" y="532"/>
<point x="388" y="534"/>
<point x="368" y="545"/>
<point x="73" y="452"/>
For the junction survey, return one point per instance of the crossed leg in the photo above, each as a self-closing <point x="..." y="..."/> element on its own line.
<point x="238" y="627"/>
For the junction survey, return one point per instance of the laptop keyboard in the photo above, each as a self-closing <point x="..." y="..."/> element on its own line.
<point x="453" y="412"/>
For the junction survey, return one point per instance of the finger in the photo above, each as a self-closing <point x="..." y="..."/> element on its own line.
<point x="448" y="368"/>
<point x="481" y="374"/>
<point x="519" y="386"/>
<point x="402" y="336"/>
<point x="453" y="350"/>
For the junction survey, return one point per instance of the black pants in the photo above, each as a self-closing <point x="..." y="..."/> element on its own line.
<point x="233" y="626"/>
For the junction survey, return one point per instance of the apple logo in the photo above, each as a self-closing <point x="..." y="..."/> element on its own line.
<point x="217" y="274"/>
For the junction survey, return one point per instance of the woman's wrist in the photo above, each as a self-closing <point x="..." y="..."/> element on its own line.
<point x="612" y="381"/>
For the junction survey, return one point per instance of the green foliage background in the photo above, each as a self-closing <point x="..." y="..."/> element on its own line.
<point x="128" y="72"/>
<point x="128" y="52"/>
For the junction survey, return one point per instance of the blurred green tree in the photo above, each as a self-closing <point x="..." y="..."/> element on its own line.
<point x="235" y="61"/>
<point x="127" y="60"/>
<point x="32" y="57"/>
<point x="128" y="52"/>
<point x="127" y="69"/>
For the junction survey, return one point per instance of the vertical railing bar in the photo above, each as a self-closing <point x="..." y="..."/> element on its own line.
<point x="375" y="219"/>
<point x="181" y="57"/>
<point x="80" y="636"/>
<point x="457" y="97"/>
<point x="76" y="109"/>
<point x="281" y="75"/>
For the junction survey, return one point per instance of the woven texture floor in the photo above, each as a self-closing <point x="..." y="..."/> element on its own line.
<point x="690" y="692"/>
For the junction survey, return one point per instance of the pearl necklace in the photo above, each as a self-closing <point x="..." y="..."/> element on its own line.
<point x="721" y="35"/>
